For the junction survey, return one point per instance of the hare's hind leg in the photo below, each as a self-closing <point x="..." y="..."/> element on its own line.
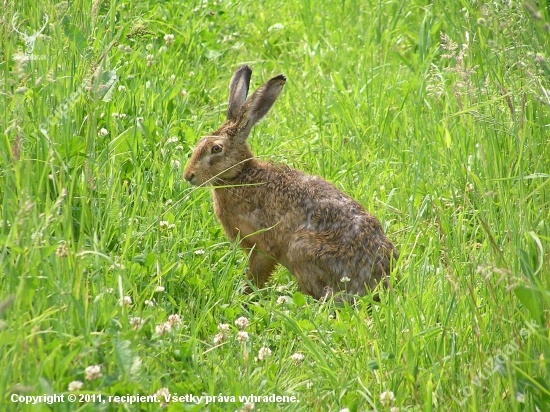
<point x="261" y="266"/>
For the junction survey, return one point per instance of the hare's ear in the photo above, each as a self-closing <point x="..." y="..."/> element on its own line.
<point x="238" y="90"/>
<point x="257" y="105"/>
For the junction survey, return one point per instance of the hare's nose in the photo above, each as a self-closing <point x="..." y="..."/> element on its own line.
<point x="190" y="177"/>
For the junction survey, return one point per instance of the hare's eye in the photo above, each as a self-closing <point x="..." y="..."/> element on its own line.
<point x="216" y="149"/>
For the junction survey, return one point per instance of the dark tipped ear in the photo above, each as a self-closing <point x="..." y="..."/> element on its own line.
<point x="257" y="105"/>
<point x="238" y="90"/>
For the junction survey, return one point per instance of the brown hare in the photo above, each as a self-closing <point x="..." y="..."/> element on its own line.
<point x="281" y="215"/>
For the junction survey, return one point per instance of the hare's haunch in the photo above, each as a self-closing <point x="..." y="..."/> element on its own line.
<point x="324" y="237"/>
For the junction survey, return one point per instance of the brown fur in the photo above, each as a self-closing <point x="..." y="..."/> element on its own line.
<point x="282" y="215"/>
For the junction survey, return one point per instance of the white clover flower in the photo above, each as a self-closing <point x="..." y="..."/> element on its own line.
<point x="176" y="164"/>
<point x="169" y="39"/>
<point x="223" y="328"/>
<point x="175" y="320"/>
<point x="173" y="139"/>
<point x="164" y="224"/>
<point x="168" y="202"/>
<point x="183" y="93"/>
<point x="387" y="398"/>
<point x="345" y="279"/>
<point x="281" y="300"/>
<point x="103" y="132"/>
<point x="93" y="372"/>
<point x="163" y="328"/>
<point x="109" y="290"/>
<point x="242" y="336"/>
<point x="297" y="358"/>
<point x="242" y="322"/>
<point x="247" y="407"/>
<point x="199" y="252"/>
<point x="160" y="288"/>
<point x="75" y="386"/>
<point x="162" y="393"/>
<point x="264" y="353"/>
<point x="149" y="303"/>
<point x="125" y="301"/>
<point x="135" y="322"/>
<point x="62" y="250"/>
<point x="121" y="88"/>
<point x="219" y="338"/>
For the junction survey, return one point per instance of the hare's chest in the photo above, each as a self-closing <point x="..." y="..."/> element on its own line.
<point x="238" y="219"/>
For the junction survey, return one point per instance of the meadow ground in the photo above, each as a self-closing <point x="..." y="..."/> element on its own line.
<point x="115" y="272"/>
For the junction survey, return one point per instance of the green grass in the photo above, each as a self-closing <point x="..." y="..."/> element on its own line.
<point x="448" y="148"/>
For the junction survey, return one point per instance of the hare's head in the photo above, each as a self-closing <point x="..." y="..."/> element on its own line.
<point x="224" y="153"/>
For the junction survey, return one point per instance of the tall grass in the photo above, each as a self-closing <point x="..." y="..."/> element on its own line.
<point x="435" y="117"/>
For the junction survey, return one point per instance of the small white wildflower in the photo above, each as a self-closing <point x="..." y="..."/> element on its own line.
<point x="116" y="265"/>
<point x="163" y="328"/>
<point x="387" y="398"/>
<point x="183" y="93"/>
<point x="62" y="250"/>
<point x="394" y="409"/>
<point x="219" y="338"/>
<point x="125" y="301"/>
<point x="191" y="74"/>
<point x="164" y="224"/>
<point x="175" y="320"/>
<point x="242" y="336"/>
<point x="242" y="322"/>
<point x="345" y="279"/>
<point x="173" y="78"/>
<point x="103" y="132"/>
<point x="149" y="303"/>
<point x="121" y="88"/>
<point x="149" y="47"/>
<point x="199" y="252"/>
<point x="264" y="353"/>
<point x="297" y="358"/>
<point x="160" y="288"/>
<point x="115" y="115"/>
<point x="247" y="407"/>
<point x="176" y="164"/>
<point x="168" y="202"/>
<point x="344" y="410"/>
<point x="223" y="328"/>
<point x="281" y="300"/>
<point x="147" y="84"/>
<point x="93" y="372"/>
<point x="122" y="115"/>
<point x="162" y="393"/>
<point x="135" y="322"/>
<point x="171" y="226"/>
<point x="179" y="148"/>
<point x="75" y="386"/>
<point x="169" y="39"/>
<point x="109" y="290"/>
<point x="173" y="139"/>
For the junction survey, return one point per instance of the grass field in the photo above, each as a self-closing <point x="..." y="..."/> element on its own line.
<point x="435" y="117"/>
